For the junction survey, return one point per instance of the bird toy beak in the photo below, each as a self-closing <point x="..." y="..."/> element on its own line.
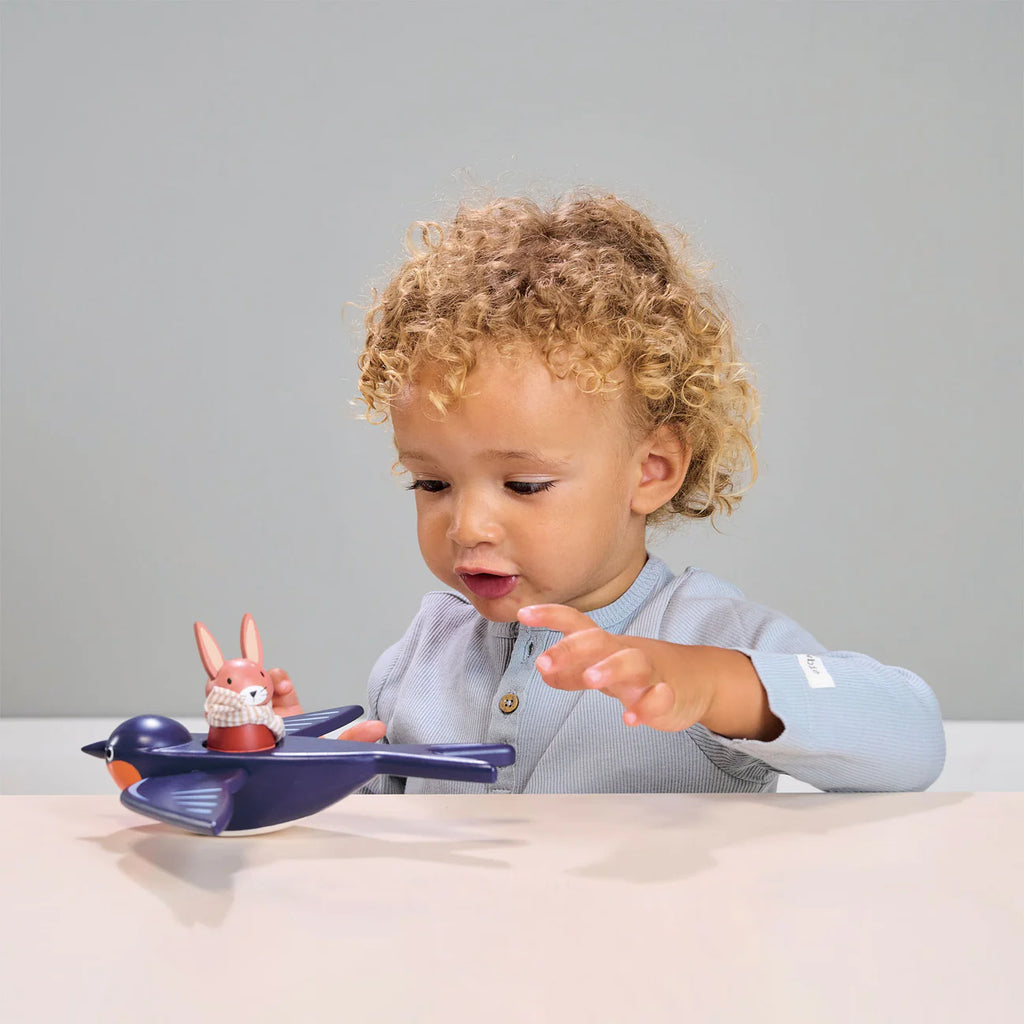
<point x="97" y="749"/>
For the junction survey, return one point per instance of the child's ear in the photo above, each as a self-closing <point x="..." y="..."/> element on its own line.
<point x="663" y="461"/>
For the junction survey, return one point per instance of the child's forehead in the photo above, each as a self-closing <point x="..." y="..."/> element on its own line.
<point x="509" y="409"/>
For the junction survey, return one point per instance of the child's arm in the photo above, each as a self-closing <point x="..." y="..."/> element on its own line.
<point x="845" y="722"/>
<point x="663" y="685"/>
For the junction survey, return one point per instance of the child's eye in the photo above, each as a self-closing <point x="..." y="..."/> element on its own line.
<point x="529" y="486"/>
<point x="430" y="486"/>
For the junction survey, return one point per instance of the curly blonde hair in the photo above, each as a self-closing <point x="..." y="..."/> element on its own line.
<point x="594" y="288"/>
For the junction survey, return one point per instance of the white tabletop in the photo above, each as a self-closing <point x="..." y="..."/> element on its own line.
<point x="789" y="907"/>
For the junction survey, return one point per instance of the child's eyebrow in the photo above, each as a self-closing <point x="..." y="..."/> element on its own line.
<point x="523" y="455"/>
<point x="413" y="456"/>
<point x="497" y="455"/>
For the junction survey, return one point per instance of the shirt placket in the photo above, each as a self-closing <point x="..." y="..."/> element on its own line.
<point x="508" y="701"/>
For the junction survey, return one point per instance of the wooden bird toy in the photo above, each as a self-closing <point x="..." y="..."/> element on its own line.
<point x="250" y="773"/>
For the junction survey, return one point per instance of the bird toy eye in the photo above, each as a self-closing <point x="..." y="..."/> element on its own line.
<point x="108" y="753"/>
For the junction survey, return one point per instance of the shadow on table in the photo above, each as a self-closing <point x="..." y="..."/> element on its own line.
<point x="194" y="875"/>
<point x="669" y="846"/>
<point x="642" y="839"/>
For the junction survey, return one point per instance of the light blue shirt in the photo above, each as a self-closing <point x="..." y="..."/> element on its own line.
<point x="850" y="723"/>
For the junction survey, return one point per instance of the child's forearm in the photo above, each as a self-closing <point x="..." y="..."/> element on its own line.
<point x="737" y="704"/>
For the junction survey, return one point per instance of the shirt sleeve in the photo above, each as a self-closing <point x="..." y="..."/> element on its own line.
<point x="850" y="723"/>
<point x="379" y="675"/>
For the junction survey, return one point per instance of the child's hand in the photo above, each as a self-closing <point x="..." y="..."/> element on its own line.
<point x="286" y="702"/>
<point x="285" y="699"/>
<point x="664" y="685"/>
<point x="625" y="667"/>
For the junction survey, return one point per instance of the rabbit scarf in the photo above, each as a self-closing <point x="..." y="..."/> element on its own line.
<point x="224" y="707"/>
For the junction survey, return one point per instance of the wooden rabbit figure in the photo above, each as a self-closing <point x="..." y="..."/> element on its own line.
<point x="239" y="696"/>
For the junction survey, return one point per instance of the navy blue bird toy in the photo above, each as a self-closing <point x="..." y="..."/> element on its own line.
<point x="255" y="771"/>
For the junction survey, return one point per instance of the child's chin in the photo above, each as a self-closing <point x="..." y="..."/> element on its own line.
<point x="502" y="610"/>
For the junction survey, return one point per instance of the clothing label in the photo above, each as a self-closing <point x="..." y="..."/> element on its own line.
<point x="814" y="669"/>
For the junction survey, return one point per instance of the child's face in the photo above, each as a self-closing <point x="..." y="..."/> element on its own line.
<point x="526" y="490"/>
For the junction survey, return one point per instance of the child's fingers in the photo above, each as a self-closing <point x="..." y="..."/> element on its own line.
<point x="625" y="674"/>
<point x="364" y="732"/>
<point x="591" y="659"/>
<point x="285" y="699"/>
<point x="654" y="708"/>
<point x="563" y="665"/>
<point x="559" y="617"/>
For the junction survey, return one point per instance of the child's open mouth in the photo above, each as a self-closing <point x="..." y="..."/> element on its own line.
<point x="489" y="585"/>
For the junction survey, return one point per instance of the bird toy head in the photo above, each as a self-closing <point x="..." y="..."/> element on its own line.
<point x="136" y="737"/>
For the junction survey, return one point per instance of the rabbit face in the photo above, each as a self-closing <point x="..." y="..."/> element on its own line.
<point x="245" y="678"/>
<point x="255" y="695"/>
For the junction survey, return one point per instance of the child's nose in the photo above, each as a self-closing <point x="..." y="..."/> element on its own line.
<point x="473" y="522"/>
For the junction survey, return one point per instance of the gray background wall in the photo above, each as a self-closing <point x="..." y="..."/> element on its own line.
<point x="192" y="191"/>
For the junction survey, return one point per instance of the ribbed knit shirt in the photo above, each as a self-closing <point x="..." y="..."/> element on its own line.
<point x="850" y="724"/>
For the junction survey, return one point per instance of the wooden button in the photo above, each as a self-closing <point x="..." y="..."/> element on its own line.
<point x="508" y="703"/>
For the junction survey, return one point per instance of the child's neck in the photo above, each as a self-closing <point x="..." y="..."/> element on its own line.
<point x="618" y="585"/>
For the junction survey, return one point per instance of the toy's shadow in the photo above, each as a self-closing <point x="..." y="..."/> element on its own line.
<point x="194" y="875"/>
<point x="667" y="845"/>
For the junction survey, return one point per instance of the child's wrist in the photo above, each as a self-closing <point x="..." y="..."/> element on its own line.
<point x="738" y="707"/>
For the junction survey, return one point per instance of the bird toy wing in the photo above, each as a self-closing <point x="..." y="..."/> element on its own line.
<point x="199" y="801"/>
<point x="464" y="762"/>
<point x="317" y="723"/>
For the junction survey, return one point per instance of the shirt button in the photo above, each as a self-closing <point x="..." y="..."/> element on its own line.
<point x="508" y="703"/>
<point x="529" y="648"/>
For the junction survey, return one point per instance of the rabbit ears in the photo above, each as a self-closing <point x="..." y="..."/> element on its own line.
<point x="209" y="652"/>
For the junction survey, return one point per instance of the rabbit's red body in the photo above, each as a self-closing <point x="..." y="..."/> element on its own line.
<point x="240" y="738"/>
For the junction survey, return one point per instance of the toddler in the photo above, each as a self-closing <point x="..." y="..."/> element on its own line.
<point x="558" y="380"/>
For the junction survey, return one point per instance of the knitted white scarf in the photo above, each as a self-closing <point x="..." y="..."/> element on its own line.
<point x="224" y="707"/>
